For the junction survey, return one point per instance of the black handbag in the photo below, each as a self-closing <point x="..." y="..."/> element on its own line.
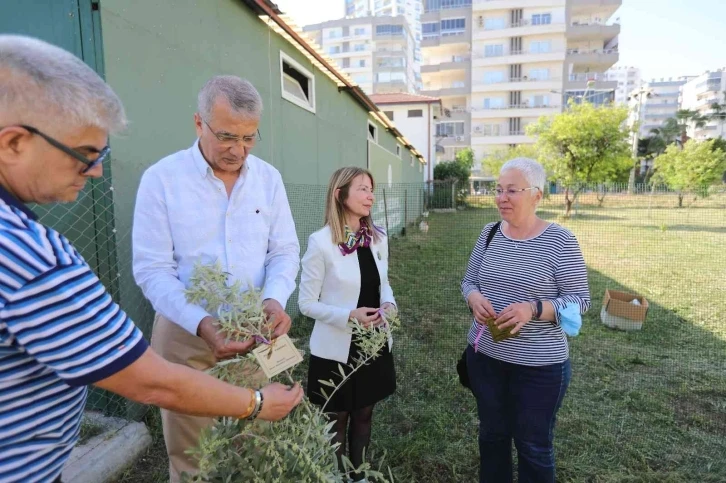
<point x="461" y="367"/>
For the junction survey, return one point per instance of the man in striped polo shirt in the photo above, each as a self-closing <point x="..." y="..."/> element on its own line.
<point x="59" y="329"/>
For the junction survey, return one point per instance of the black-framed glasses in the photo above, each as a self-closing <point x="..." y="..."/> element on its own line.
<point x="89" y="163"/>
<point x="230" y="139"/>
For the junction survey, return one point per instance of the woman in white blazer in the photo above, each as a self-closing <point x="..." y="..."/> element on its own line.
<point x="345" y="276"/>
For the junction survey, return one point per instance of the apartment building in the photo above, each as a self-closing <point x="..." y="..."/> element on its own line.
<point x="700" y="94"/>
<point x="628" y="78"/>
<point x="411" y="9"/>
<point x="377" y="52"/>
<point x="659" y="101"/>
<point x="498" y="65"/>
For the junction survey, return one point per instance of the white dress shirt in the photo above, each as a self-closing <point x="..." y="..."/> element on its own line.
<point x="183" y="216"/>
<point x="330" y="288"/>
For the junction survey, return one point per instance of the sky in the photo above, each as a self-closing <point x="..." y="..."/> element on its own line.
<point x="664" y="38"/>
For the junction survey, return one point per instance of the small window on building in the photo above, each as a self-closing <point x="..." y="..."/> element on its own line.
<point x="372" y="132"/>
<point x="398" y="150"/>
<point x="415" y="113"/>
<point x="420" y="168"/>
<point x="389" y="114"/>
<point x="298" y="84"/>
<point x="411" y="156"/>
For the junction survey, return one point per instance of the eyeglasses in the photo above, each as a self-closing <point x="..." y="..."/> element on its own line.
<point x="231" y="140"/>
<point x="89" y="163"/>
<point x="512" y="192"/>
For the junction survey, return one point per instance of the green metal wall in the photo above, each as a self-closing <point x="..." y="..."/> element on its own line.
<point x="158" y="55"/>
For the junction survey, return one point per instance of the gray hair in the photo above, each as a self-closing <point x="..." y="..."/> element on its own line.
<point x="532" y="171"/>
<point x="239" y="93"/>
<point x="44" y="85"/>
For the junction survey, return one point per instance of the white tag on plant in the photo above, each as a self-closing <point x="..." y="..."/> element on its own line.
<point x="278" y="356"/>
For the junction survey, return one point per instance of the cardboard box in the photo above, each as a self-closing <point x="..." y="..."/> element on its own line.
<point x="618" y="311"/>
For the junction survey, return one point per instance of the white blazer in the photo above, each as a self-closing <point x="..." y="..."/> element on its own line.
<point x="329" y="290"/>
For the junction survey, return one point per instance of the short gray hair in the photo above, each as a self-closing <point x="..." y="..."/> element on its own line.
<point x="532" y="171"/>
<point x="44" y="85"/>
<point x="239" y="93"/>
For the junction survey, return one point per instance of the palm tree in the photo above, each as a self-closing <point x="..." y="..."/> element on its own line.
<point x="686" y="118"/>
<point x="719" y="114"/>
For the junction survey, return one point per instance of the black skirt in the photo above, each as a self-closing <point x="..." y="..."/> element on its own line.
<point x="371" y="383"/>
<point x="368" y="385"/>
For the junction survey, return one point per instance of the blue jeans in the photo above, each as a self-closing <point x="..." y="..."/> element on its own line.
<point x="516" y="402"/>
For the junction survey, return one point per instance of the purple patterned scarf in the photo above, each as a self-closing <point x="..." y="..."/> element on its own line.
<point x="361" y="238"/>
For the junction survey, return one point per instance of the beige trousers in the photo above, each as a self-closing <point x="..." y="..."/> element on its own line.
<point x="181" y="432"/>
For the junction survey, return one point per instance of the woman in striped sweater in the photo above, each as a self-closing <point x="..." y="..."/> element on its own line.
<point x="526" y="280"/>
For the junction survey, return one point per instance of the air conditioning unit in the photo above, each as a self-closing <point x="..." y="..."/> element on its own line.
<point x="477" y="129"/>
<point x="459" y="138"/>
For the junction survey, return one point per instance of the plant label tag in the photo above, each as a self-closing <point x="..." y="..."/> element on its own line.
<point x="284" y="355"/>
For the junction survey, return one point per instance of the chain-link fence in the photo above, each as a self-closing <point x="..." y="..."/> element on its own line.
<point x="645" y="405"/>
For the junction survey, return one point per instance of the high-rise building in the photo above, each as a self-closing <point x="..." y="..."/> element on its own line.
<point x="377" y="52"/>
<point x="498" y="65"/>
<point x="628" y="78"/>
<point x="700" y="94"/>
<point x="411" y="9"/>
<point x="657" y="101"/>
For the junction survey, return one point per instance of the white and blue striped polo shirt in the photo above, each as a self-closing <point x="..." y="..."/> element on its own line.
<point x="59" y="332"/>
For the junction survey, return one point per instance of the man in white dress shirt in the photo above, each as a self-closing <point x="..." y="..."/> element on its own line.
<point x="211" y="202"/>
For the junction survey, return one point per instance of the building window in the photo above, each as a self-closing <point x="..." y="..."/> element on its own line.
<point x="389" y="29"/>
<point x="334" y="50"/>
<point x="398" y="150"/>
<point x="298" y="84"/>
<point x="539" y="74"/>
<point x="415" y="113"/>
<point x="493" y="50"/>
<point x="360" y="31"/>
<point x="453" y="26"/>
<point x="430" y="29"/>
<point x="359" y="47"/>
<point x="496" y="23"/>
<point x="540" y="47"/>
<point x="493" y="77"/>
<point x="447" y="129"/>
<point x="493" y="103"/>
<point x="372" y="132"/>
<point x="542" y="19"/>
<point x="389" y="114"/>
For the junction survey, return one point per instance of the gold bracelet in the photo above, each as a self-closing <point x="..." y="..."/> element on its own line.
<point x="251" y="407"/>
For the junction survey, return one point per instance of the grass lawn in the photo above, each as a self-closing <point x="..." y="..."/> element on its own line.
<point x="648" y="406"/>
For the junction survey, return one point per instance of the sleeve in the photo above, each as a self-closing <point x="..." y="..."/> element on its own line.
<point x="470" y="282"/>
<point x="66" y="320"/>
<point x="155" y="269"/>
<point x="311" y="285"/>
<point x="571" y="278"/>
<point x="283" y="252"/>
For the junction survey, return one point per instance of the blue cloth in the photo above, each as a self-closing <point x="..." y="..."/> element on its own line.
<point x="517" y="402"/>
<point x="570" y="319"/>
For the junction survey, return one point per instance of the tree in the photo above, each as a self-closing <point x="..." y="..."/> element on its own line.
<point x="458" y="170"/>
<point x="664" y="135"/>
<point x="719" y="114"/>
<point x="582" y="145"/>
<point x="687" y="118"/>
<point x="496" y="159"/>
<point x="691" y="169"/>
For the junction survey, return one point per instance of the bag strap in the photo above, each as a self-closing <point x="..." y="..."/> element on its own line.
<point x="490" y="237"/>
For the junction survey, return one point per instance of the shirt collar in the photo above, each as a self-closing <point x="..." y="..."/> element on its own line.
<point x="12" y="201"/>
<point x="204" y="168"/>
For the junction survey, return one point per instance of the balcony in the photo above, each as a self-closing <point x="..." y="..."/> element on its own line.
<point x="594" y="59"/>
<point x="606" y="7"/>
<point x="522" y="28"/>
<point x="460" y="63"/>
<point x="487" y="136"/>
<point x="591" y="80"/>
<point x="592" y="30"/>
<point x="518" y="84"/>
<point x="446" y="90"/>
<point x="514" y="110"/>
<point x="483" y="5"/>
<point x="482" y="59"/>
<point x="455" y="114"/>
<point x="446" y="38"/>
